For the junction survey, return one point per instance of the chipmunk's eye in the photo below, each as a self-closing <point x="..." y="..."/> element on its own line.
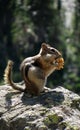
<point x="52" y="50"/>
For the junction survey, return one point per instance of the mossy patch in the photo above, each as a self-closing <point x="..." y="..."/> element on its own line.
<point x="52" y="119"/>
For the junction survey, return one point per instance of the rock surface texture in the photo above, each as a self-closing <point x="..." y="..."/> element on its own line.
<point x="56" y="109"/>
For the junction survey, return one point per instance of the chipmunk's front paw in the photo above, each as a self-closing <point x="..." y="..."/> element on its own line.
<point x="59" y="63"/>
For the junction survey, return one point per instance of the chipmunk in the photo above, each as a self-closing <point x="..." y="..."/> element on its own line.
<point x="36" y="69"/>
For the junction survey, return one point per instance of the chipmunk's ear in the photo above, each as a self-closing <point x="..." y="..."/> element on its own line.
<point x="44" y="46"/>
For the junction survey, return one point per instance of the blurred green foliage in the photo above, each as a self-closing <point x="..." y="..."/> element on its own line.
<point x="25" y="24"/>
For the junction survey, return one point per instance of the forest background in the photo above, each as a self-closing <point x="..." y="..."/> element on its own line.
<point x="25" y="24"/>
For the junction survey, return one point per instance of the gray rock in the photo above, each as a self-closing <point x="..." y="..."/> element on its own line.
<point x="55" y="109"/>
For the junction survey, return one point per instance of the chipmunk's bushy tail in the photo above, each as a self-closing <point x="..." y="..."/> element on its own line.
<point x="8" y="77"/>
